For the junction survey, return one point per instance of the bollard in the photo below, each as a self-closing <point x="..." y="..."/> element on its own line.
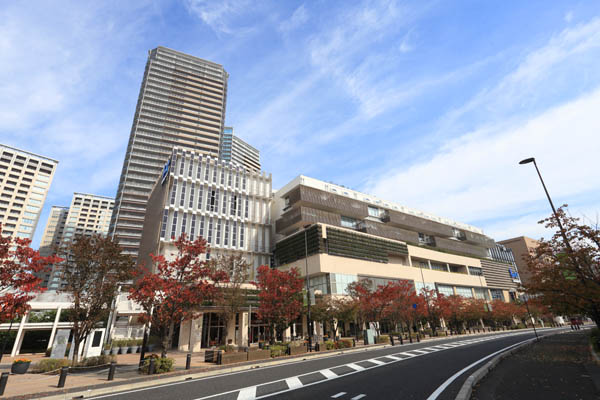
<point x="3" y="381"/>
<point x="418" y="338"/>
<point x="392" y="339"/>
<point x="111" y="370"/>
<point x="401" y="341"/>
<point x="410" y="337"/>
<point x="151" y="366"/>
<point x="188" y="361"/>
<point x="63" y="376"/>
<point x="353" y="342"/>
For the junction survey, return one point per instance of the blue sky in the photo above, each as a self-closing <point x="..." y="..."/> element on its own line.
<point x="429" y="104"/>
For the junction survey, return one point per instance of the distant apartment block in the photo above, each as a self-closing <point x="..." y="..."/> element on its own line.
<point x="220" y="201"/>
<point x="24" y="182"/>
<point x="234" y="149"/>
<point x="53" y="233"/>
<point x="88" y="214"/>
<point x="181" y="103"/>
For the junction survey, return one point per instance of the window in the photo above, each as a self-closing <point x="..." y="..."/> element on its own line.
<point x="239" y="206"/>
<point x="246" y="208"/>
<point x="497" y="294"/>
<point x="481" y="293"/>
<point x="173" y="191"/>
<point x="43" y="178"/>
<point x="226" y="239"/>
<point x="27" y="221"/>
<point x="348" y="222"/>
<point x="200" y="196"/>
<point x="214" y="179"/>
<point x="193" y="228"/>
<point x="191" y="167"/>
<point x="207" y="172"/>
<point x="224" y="204"/>
<point x="229" y="179"/>
<point x="233" y="204"/>
<point x="40" y="184"/>
<point x="242" y="235"/>
<point x="182" y="166"/>
<point x="30" y="208"/>
<point x="446" y="290"/>
<point x="210" y="206"/>
<point x="201" y="233"/>
<point x="163" y="228"/>
<point x="464" y="291"/>
<point x="191" y="203"/>
<point x="426" y="239"/>
<point x="184" y="223"/>
<point x="237" y="180"/>
<point x="244" y="182"/>
<point x="234" y="238"/>
<point x="199" y="172"/>
<point x="338" y="283"/>
<point x="373" y="211"/>
<point x="26" y="228"/>
<point x="210" y="231"/>
<point x="475" y="271"/>
<point x="182" y="195"/>
<point x="216" y="209"/>
<point x="222" y="181"/>
<point x="174" y="225"/>
<point x="218" y="236"/>
<point x="439" y="267"/>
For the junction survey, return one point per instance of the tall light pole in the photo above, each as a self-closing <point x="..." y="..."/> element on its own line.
<point x="309" y="323"/>
<point x="562" y="230"/>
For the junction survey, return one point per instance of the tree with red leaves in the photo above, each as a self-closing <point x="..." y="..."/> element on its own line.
<point x="432" y="307"/>
<point x="280" y="298"/>
<point x="399" y="310"/>
<point x="373" y="303"/>
<point x="174" y="290"/>
<point x="18" y="283"/>
<point x="504" y="313"/>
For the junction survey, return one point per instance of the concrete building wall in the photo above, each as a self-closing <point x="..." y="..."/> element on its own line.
<point x="521" y="247"/>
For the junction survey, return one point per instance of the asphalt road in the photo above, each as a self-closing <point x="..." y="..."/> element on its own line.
<point x="400" y="372"/>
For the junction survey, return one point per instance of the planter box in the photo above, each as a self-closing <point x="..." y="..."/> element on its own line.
<point x="294" y="350"/>
<point x="254" y="355"/>
<point x="231" y="358"/>
<point x="134" y="349"/>
<point x="210" y="355"/>
<point x="19" y="368"/>
<point x="114" y="351"/>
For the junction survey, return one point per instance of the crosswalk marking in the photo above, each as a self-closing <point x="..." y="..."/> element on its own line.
<point x="248" y="393"/>
<point x="356" y="367"/>
<point x="376" y="361"/>
<point x="360" y="396"/>
<point x="293" y="382"/>
<point x="328" y="373"/>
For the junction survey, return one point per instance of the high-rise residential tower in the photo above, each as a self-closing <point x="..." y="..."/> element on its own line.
<point x="55" y="228"/>
<point x="234" y="149"/>
<point x="24" y="182"/>
<point x="88" y="214"/>
<point x="181" y="103"/>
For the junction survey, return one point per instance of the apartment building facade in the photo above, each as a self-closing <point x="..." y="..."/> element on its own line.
<point x="181" y="103"/>
<point x="88" y="214"/>
<point x="236" y="150"/>
<point x="51" y="240"/>
<point x="350" y="236"/>
<point x="25" y="179"/>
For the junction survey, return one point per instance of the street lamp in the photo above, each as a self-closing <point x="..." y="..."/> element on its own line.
<point x="562" y="230"/>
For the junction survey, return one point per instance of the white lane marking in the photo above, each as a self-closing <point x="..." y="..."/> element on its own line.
<point x="360" y="396"/>
<point x="340" y="394"/>
<point x="447" y="383"/>
<point x="430" y="349"/>
<point x="248" y="393"/>
<point x="356" y="367"/>
<point x="293" y="382"/>
<point x="328" y="373"/>
<point x="376" y="361"/>
<point x="395" y="358"/>
<point x="420" y="351"/>
<point x="408" y="354"/>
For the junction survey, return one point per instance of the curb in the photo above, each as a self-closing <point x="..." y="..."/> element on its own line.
<point x="467" y="388"/>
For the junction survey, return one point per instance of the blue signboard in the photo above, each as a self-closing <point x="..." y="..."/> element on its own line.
<point x="165" y="172"/>
<point x="415" y="306"/>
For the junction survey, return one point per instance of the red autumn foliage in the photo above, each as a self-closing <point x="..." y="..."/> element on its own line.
<point x="280" y="297"/>
<point x="175" y="289"/>
<point x="18" y="284"/>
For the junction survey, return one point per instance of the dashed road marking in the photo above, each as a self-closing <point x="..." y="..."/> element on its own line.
<point x="376" y="361"/>
<point x="340" y="394"/>
<point x="293" y="382"/>
<point x="360" y="396"/>
<point x="248" y="393"/>
<point x="328" y="373"/>
<point x="356" y="367"/>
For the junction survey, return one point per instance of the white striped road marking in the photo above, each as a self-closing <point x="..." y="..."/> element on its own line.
<point x="395" y="358"/>
<point x="360" y="396"/>
<point x="408" y="354"/>
<point x="355" y="366"/>
<point x="340" y="394"/>
<point x="328" y="374"/>
<point x="248" y="393"/>
<point x="293" y="382"/>
<point x="376" y="361"/>
<point x="420" y="351"/>
<point x="430" y="349"/>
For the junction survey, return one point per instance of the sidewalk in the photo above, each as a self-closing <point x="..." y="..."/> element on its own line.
<point x="559" y="367"/>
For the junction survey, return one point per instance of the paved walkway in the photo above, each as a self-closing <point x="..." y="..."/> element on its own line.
<point x="559" y="367"/>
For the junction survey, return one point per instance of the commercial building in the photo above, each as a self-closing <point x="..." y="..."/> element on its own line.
<point x="181" y="103"/>
<point x="24" y="182"/>
<point x="521" y="247"/>
<point x="234" y="149"/>
<point x="350" y="236"/>
<point x="222" y="202"/>
<point x="88" y="214"/>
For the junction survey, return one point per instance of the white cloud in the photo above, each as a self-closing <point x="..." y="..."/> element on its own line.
<point x="568" y="16"/>
<point x="219" y="15"/>
<point x="407" y="43"/>
<point x="298" y="18"/>
<point x="477" y="177"/>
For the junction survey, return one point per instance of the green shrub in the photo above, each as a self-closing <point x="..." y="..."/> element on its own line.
<point x="227" y="348"/>
<point x="383" y="339"/>
<point x="329" y="345"/>
<point x="344" y="343"/>
<point x="161" y="365"/>
<point x="520" y="326"/>
<point x="296" y="343"/>
<point x="94" y="361"/>
<point x="278" y="350"/>
<point x="49" y="364"/>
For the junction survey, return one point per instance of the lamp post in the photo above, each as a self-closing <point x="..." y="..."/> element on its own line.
<point x="309" y="323"/>
<point x="525" y="298"/>
<point x="562" y="230"/>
